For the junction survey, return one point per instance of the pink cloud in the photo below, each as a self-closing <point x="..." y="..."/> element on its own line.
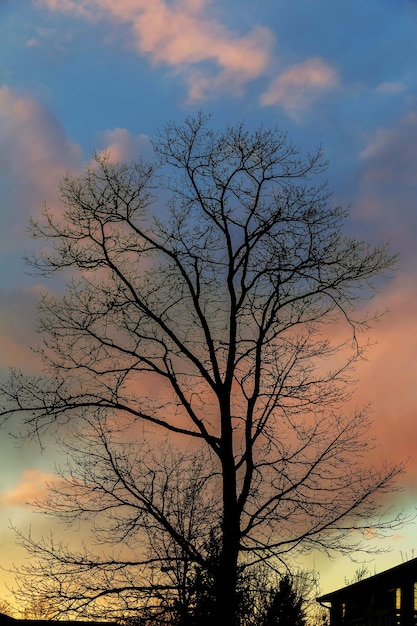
<point x="79" y="7"/>
<point x="300" y="86"/>
<point x="123" y="146"/>
<point x="35" y="153"/>
<point x="181" y="35"/>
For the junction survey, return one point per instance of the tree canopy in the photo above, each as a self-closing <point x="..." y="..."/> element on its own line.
<point x="193" y="371"/>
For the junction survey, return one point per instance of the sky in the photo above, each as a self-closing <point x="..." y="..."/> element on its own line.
<point x="78" y="76"/>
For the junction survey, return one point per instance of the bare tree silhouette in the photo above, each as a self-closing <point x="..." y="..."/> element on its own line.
<point x="192" y="373"/>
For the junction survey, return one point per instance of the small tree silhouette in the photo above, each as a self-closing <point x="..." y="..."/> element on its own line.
<point x="285" y="606"/>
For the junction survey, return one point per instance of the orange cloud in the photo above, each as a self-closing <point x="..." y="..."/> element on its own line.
<point x="32" y="486"/>
<point x="388" y="378"/>
<point x="181" y="35"/>
<point x="300" y="86"/>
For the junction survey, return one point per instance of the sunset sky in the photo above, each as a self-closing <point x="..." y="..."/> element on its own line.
<point x="78" y="76"/>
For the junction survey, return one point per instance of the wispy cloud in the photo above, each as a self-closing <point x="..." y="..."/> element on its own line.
<point x="393" y="148"/>
<point x="50" y="39"/>
<point x="297" y="88"/>
<point x="79" y="7"/>
<point x="390" y="87"/>
<point x="183" y="36"/>
<point x="388" y="185"/>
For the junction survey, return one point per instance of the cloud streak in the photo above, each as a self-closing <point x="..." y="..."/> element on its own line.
<point x="182" y="36"/>
<point x="212" y="60"/>
<point x="388" y="187"/>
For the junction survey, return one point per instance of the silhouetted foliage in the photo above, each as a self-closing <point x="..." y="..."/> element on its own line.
<point x="284" y="606"/>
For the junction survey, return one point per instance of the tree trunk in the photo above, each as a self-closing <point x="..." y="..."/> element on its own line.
<point x="226" y="597"/>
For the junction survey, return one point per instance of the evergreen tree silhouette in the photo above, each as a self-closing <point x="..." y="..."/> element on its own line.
<point x="285" y="608"/>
